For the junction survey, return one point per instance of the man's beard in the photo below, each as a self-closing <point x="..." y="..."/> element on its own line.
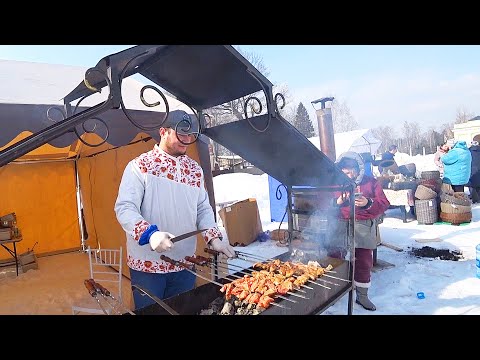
<point x="176" y="153"/>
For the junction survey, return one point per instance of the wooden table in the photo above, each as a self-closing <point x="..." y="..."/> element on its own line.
<point x="13" y="252"/>
<point x="401" y="198"/>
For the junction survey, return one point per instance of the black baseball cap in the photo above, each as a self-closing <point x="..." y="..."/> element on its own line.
<point x="187" y="124"/>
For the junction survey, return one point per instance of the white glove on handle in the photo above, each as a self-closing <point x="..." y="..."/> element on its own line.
<point x="223" y="247"/>
<point x="160" y="241"/>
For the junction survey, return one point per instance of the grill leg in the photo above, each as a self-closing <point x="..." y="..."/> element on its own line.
<point x="404" y="213"/>
<point x="350" y="302"/>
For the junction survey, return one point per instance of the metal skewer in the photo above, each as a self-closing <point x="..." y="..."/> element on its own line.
<point x="334" y="277"/>
<point x="254" y="256"/>
<point x="276" y="295"/>
<point x="93" y="293"/>
<point x="311" y="281"/>
<point x="185" y="266"/>
<point x="243" y="272"/>
<point x="241" y="277"/>
<point x="213" y="252"/>
<point x="108" y="295"/>
<point x="156" y="299"/>
<point x="303" y="285"/>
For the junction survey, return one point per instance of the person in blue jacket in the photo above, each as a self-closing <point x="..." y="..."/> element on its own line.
<point x="457" y="166"/>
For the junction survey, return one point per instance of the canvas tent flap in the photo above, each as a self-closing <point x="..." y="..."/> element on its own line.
<point x="281" y="151"/>
<point x="201" y="76"/>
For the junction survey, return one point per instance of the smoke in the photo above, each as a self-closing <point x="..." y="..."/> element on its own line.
<point x="321" y="232"/>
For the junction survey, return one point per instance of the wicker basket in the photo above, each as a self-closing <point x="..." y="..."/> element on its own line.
<point x="430" y="175"/>
<point x="424" y="193"/>
<point x="446" y="189"/>
<point x="457" y="200"/>
<point x="434" y="184"/>
<point x="456" y="219"/>
<point x="426" y="211"/>
<point x="403" y="185"/>
<point x="408" y="169"/>
<point x="454" y="208"/>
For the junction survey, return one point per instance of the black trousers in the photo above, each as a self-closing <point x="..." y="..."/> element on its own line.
<point x="475" y="194"/>
<point x="458" y="188"/>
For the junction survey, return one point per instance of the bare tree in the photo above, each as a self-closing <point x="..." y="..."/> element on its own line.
<point x="234" y="110"/>
<point x="446" y="130"/>
<point x="386" y="134"/>
<point x="342" y="118"/>
<point x="290" y="112"/>
<point x="463" y="115"/>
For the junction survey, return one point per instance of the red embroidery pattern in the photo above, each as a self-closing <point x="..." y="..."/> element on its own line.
<point x="139" y="228"/>
<point x="157" y="163"/>
<point x="211" y="234"/>
<point x="159" y="266"/>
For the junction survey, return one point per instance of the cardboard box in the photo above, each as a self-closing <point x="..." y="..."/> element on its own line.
<point x="242" y="222"/>
<point x="27" y="258"/>
<point x="31" y="266"/>
<point x="5" y="234"/>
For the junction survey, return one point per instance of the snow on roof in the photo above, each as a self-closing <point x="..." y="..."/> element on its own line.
<point x="39" y="83"/>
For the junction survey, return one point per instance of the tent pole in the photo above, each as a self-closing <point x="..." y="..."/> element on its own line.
<point x="79" y="208"/>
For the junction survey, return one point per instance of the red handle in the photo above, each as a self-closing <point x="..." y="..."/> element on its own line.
<point x="210" y="251"/>
<point x="195" y="261"/>
<point x="90" y="287"/>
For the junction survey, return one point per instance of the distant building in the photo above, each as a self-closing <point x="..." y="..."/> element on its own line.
<point x="468" y="131"/>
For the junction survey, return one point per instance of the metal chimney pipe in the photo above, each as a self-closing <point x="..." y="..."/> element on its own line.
<point x="325" y="128"/>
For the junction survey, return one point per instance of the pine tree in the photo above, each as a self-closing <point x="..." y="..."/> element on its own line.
<point x="302" y="122"/>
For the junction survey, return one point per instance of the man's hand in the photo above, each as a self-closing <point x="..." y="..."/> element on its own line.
<point x="223" y="247"/>
<point x="160" y="241"/>
<point x="342" y="198"/>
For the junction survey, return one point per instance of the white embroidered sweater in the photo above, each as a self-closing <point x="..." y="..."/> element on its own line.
<point x="166" y="191"/>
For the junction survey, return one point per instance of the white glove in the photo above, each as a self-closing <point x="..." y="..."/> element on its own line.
<point x="160" y="241"/>
<point x="223" y="247"/>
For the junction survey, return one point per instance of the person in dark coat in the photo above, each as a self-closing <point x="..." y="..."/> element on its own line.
<point x="474" y="183"/>
<point x="388" y="159"/>
<point x="390" y="154"/>
<point x="370" y="204"/>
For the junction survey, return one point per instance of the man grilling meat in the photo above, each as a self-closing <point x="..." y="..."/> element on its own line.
<point x="370" y="204"/>
<point x="162" y="193"/>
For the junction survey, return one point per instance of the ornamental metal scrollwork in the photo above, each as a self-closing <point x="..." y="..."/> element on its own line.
<point x="286" y="234"/>
<point x="60" y="110"/>
<point x="187" y="126"/>
<point x="252" y="106"/>
<point x="255" y="111"/>
<point x="158" y="91"/>
<point x="95" y="118"/>
<point x="277" y="96"/>
<point x="208" y="120"/>
<point x="87" y="131"/>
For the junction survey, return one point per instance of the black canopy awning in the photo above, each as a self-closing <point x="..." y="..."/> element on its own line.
<point x="281" y="151"/>
<point x="201" y="76"/>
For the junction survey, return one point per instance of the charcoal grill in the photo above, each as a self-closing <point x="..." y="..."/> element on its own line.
<point x="319" y="299"/>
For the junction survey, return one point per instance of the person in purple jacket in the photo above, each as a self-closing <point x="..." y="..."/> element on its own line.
<point x="370" y="205"/>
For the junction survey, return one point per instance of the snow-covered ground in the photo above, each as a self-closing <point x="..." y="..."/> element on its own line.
<point x="450" y="287"/>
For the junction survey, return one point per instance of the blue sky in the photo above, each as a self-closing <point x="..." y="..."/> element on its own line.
<point x="381" y="84"/>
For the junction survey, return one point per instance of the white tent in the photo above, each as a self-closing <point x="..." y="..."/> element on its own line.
<point x="360" y="141"/>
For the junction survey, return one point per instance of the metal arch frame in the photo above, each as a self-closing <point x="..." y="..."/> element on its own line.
<point x="112" y="76"/>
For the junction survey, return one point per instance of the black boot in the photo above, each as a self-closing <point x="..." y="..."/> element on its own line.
<point x="362" y="299"/>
